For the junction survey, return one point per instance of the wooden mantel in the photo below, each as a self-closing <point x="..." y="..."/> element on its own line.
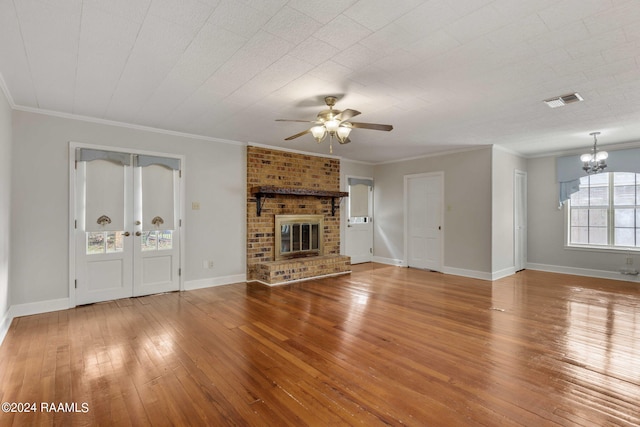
<point x="269" y="191"/>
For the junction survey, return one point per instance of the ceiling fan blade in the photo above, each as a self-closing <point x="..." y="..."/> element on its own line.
<point x="294" y="120"/>
<point x="347" y="114"/>
<point x="373" y="126"/>
<point x="298" y="134"/>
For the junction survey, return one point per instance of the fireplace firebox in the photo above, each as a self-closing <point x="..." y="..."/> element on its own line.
<point x="298" y="236"/>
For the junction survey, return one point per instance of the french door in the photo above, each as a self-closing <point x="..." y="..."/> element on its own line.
<point x="127" y="226"/>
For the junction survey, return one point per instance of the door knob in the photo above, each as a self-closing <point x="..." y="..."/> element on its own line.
<point x="127" y="234"/>
<point x="138" y="233"/>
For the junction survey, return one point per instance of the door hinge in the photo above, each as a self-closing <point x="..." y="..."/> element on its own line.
<point x="179" y="223"/>
<point x="179" y="272"/>
<point x="370" y="250"/>
<point x="180" y="173"/>
<point x="75" y="223"/>
<point x="75" y="283"/>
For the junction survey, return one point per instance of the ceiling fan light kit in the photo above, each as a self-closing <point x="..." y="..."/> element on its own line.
<point x="335" y="124"/>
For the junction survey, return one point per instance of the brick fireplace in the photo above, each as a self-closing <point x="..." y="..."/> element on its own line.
<point x="298" y="184"/>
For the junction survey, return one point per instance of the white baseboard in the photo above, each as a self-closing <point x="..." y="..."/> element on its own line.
<point x="503" y="273"/>
<point x="388" y="261"/>
<point x="601" y="274"/>
<point x="39" y="307"/>
<point x="214" y="281"/>
<point x="452" y="270"/>
<point x="5" y="324"/>
<point x="482" y="275"/>
<point x="29" y="309"/>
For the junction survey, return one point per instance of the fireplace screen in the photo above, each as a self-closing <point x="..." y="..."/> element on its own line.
<point x="298" y="235"/>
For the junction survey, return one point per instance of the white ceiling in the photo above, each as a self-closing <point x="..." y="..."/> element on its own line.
<point x="447" y="74"/>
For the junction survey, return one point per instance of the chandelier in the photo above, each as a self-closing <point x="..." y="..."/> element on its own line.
<point x="594" y="161"/>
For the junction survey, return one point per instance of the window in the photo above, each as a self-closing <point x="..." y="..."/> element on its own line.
<point x="359" y="203"/>
<point x="605" y="212"/>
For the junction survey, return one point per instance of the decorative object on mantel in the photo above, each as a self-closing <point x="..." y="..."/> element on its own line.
<point x="594" y="161"/>
<point x="335" y="124"/>
<point x="261" y="193"/>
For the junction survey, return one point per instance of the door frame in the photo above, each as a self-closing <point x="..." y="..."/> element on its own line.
<point x="345" y="221"/>
<point x="72" y="208"/>
<point x="439" y="174"/>
<point x="523" y="195"/>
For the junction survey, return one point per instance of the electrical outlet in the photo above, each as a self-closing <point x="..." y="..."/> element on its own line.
<point x="210" y="264"/>
<point x="195" y="206"/>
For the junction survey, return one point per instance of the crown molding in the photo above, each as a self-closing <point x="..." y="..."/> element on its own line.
<point x="578" y="151"/>
<point x="124" y="125"/>
<point x="438" y="154"/>
<point x="508" y="150"/>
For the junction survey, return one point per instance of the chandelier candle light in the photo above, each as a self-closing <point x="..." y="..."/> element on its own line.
<point x="595" y="161"/>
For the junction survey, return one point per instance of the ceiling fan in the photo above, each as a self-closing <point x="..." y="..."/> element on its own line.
<point x="334" y="123"/>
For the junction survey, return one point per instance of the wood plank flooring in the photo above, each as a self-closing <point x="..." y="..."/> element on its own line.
<point x="382" y="346"/>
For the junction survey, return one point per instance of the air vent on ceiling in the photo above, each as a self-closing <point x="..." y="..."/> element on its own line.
<point x="560" y="101"/>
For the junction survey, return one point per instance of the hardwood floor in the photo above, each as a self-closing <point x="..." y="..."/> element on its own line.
<point x="382" y="346"/>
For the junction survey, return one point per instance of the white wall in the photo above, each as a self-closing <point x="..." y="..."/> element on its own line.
<point x="467" y="199"/>
<point x="546" y="231"/>
<point x="5" y="210"/>
<point x="504" y="165"/>
<point x="215" y="177"/>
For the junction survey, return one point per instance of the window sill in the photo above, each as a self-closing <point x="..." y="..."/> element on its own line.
<point x="602" y="249"/>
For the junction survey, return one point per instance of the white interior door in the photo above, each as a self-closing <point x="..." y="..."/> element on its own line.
<point x="359" y="234"/>
<point x="156" y="254"/>
<point x="520" y="221"/>
<point x="104" y="247"/>
<point x="423" y="220"/>
<point x="126" y="225"/>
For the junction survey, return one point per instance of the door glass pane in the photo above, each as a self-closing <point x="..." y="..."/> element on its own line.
<point x="100" y="242"/>
<point x="114" y="240"/>
<point x="95" y="243"/>
<point x="149" y="241"/>
<point x="358" y="200"/>
<point x="165" y="240"/>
